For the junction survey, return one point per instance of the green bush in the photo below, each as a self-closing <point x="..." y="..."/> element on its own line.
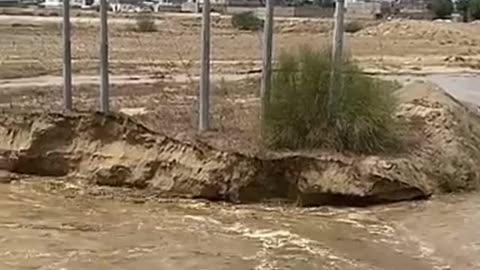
<point x="247" y="21"/>
<point x="353" y="26"/>
<point x="441" y="8"/>
<point x="145" y="22"/>
<point x="299" y="115"/>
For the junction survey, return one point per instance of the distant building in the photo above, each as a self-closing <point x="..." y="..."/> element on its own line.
<point x="414" y="9"/>
<point x="59" y="3"/>
<point x="363" y="9"/>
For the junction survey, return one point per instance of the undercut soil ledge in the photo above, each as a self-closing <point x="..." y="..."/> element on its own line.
<point x="115" y="150"/>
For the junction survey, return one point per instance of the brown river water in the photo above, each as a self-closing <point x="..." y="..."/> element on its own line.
<point x="41" y="229"/>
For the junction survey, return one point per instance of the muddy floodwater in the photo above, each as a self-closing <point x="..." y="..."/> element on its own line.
<point x="41" y="229"/>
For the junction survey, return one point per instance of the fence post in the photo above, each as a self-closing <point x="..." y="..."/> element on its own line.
<point x="67" y="57"/>
<point x="338" y="33"/>
<point x="104" y="84"/>
<point x="266" y="83"/>
<point x="204" y="93"/>
<point x="337" y="54"/>
<point x="267" y="51"/>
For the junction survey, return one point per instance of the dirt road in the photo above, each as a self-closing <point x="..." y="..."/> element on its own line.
<point x="463" y="86"/>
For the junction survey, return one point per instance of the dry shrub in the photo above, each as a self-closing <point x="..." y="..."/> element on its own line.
<point x="145" y="22"/>
<point x="353" y="26"/>
<point x="247" y="21"/>
<point x="359" y="118"/>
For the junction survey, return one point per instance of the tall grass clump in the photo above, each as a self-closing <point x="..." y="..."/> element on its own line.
<point x="358" y="118"/>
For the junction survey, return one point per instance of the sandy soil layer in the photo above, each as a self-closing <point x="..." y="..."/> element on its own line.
<point x="32" y="45"/>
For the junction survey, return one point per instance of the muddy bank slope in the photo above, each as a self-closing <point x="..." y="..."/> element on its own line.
<point x="449" y="136"/>
<point x="115" y="150"/>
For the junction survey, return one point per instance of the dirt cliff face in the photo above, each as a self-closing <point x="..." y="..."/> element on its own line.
<point x="449" y="149"/>
<point x="115" y="150"/>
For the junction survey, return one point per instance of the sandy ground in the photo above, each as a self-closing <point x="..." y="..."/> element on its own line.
<point x="33" y="45"/>
<point x="167" y="107"/>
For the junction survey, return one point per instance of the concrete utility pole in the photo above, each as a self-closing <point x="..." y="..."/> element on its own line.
<point x="104" y="84"/>
<point x="67" y="58"/>
<point x="338" y="33"/>
<point x="337" y="50"/>
<point x="267" y="51"/>
<point x="204" y="94"/>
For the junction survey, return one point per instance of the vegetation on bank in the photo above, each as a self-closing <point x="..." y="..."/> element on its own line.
<point x="301" y="114"/>
<point x="353" y="26"/>
<point x="247" y="21"/>
<point x="145" y="22"/>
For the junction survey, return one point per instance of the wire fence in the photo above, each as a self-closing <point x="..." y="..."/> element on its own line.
<point x="154" y="75"/>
